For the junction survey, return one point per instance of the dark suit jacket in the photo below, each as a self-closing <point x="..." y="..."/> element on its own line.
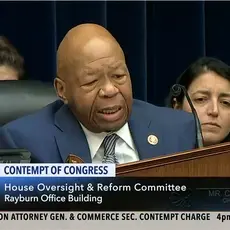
<point x="53" y="132"/>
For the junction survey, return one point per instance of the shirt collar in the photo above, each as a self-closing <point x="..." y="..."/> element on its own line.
<point x="95" y="139"/>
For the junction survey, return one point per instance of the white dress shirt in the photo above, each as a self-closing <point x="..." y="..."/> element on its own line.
<point x="125" y="149"/>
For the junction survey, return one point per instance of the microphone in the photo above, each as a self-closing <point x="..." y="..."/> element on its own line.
<point x="176" y="91"/>
<point x="14" y="156"/>
<point x="73" y="159"/>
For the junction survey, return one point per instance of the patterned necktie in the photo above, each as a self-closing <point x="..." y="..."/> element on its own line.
<point x="109" y="144"/>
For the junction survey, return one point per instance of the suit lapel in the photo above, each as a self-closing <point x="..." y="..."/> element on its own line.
<point x="141" y="129"/>
<point x="69" y="136"/>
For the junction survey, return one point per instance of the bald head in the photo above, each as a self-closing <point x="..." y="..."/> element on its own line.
<point x="93" y="78"/>
<point x="85" y="42"/>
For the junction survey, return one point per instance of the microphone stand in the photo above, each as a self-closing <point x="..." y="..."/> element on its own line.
<point x="176" y="91"/>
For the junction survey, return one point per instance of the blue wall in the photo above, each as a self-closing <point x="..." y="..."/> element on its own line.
<point x="160" y="39"/>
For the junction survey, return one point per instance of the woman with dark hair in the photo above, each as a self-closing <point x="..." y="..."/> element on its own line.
<point x="207" y="81"/>
<point x="11" y="62"/>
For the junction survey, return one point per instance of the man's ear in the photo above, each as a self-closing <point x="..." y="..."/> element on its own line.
<point x="176" y="104"/>
<point x="60" y="88"/>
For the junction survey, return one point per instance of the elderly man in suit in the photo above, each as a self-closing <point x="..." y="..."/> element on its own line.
<point x="97" y="118"/>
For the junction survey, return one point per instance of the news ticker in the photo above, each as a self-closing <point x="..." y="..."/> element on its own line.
<point x="114" y="220"/>
<point x="47" y="187"/>
<point x="113" y="194"/>
<point x="58" y="170"/>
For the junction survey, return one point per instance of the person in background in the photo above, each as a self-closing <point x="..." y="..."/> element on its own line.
<point x="96" y="118"/>
<point x="207" y="81"/>
<point x="11" y="62"/>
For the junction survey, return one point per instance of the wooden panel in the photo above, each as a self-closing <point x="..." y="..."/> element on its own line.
<point x="206" y="162"/>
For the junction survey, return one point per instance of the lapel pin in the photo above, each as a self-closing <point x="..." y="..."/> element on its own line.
<point x="152" y="139"/>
